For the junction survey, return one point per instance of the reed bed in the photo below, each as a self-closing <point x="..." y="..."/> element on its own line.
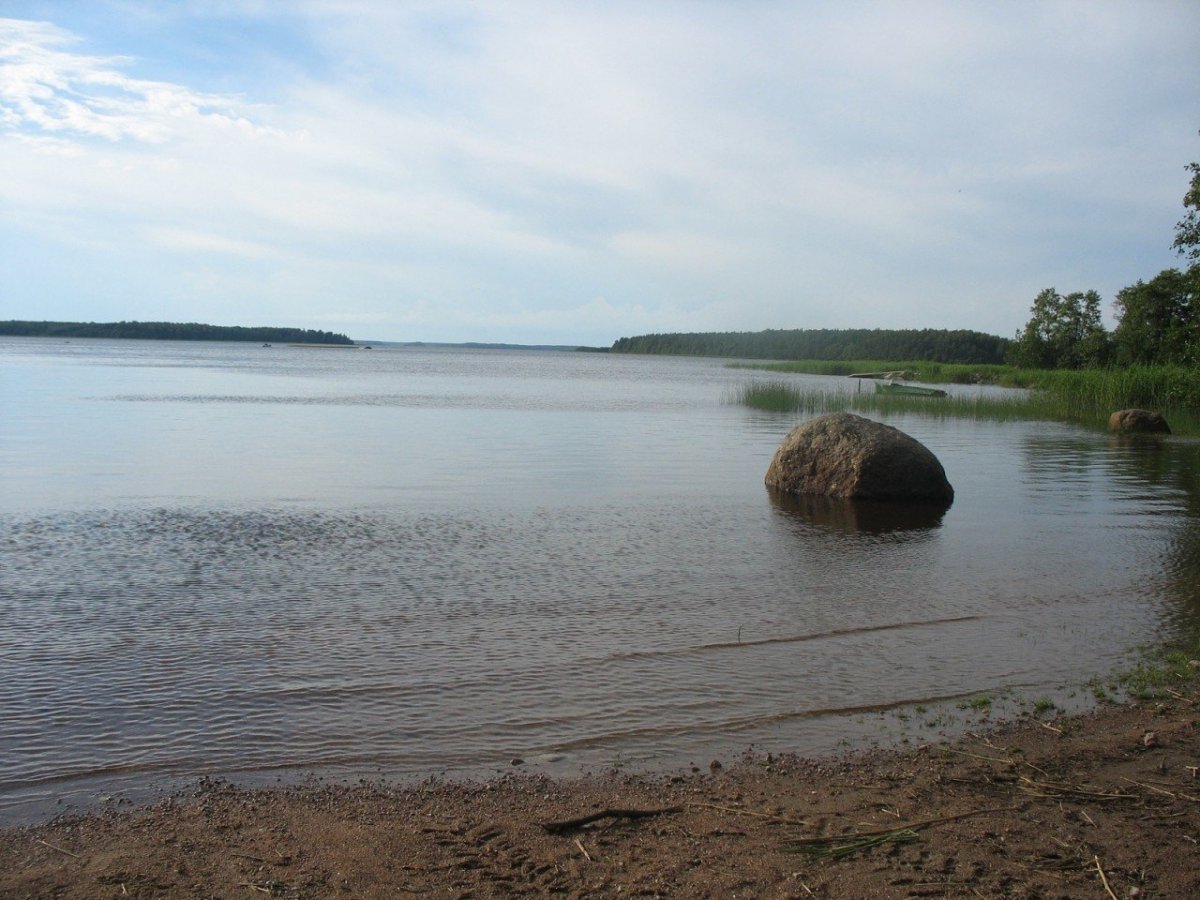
<point x="780" y="396"/>
<point x="941" y="373"/>
<point x="1086" y="397"/>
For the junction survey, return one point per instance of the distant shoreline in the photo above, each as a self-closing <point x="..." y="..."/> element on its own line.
<point x="173" y="331"/>
<point x="168" y="331"/>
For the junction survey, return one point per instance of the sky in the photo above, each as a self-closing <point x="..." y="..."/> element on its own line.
<point x="574" y="172"/>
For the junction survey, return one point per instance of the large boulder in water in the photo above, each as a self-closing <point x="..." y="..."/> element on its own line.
<point x="1138" y="421"/>
<point x="843" y="455"/>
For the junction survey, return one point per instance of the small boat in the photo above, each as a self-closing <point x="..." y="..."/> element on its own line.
<point x="907" y="390"/>
<point x="889" y="375"/>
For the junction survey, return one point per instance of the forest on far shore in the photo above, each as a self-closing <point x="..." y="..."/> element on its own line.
<point x="1158" y="324"/>
<point x="934" y="345"/>
<point x="171" y="331"/>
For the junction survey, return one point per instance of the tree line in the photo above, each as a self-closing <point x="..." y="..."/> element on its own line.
<point x="171" y="331"/>
<point x="827" y="344"/>
<point x="1158" y="321"/>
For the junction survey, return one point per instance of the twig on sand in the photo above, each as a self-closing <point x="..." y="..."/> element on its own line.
<point x="583" y="850"/>
<point x="750" y="812"/>
<point x="59" y="849"/>
<point x="1055" y="790"/>
<point x="1156" y="790"/>
<point x="1104" y="878"/>
<point x="1009" y="762"/>
<point x="845" y="844"/>
<point x="850" y="843"/>
<point x="572" y="824"/>
<point x="912" y="826"/>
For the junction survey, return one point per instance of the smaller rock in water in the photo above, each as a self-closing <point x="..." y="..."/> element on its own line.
<point x="1137" y="421"/>
<point x="844" y="455"/>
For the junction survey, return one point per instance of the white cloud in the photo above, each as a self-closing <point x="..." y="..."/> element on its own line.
<point x="503" y="165"/>
<point x="55" y="91"/>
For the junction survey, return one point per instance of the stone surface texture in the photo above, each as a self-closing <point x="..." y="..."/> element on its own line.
<point x="1138" y="421"/>
<point x="844" y="455"/>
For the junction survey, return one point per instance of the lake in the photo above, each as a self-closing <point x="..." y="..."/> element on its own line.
<point x="264" y="562"/>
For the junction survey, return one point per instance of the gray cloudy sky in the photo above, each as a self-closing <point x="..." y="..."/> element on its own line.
<point x="569" y="172"/>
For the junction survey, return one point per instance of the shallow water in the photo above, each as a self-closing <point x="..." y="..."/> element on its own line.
<point x="223" y="559"/>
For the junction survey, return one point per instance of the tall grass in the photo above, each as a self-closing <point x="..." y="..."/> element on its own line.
<point x="781" y="396"/>
<point x="1087" y="397"/>
<point x="942" y="373"/>
<point x="1091" y="395"/>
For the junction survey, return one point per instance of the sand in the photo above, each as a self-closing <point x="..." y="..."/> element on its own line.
<point x="1096" y="806"/>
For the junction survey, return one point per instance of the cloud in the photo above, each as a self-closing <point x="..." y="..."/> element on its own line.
<point x="505" y="165"/>
<point x="46" y="88"/>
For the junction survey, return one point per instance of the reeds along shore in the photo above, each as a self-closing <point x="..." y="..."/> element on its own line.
<point x="1087" y="396"/>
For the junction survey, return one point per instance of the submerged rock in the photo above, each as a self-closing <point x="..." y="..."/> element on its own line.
<point x="844" y="455"/>
<point x="1138" y="421"/>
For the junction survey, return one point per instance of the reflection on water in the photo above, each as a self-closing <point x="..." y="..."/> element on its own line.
<point x="1160" y="480"/>
<point x="859" y="515"/>
<point x="228" y="560"/>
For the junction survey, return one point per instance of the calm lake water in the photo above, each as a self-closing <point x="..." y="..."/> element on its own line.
<point x="250" y="562"/>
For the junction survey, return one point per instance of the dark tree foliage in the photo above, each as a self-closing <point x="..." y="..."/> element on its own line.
<point x="1160" y="320"/>
<point x="171" y="331"/>
<point x="1062" y="333"/>
<point x="1187" y="231"/>
<point x="825" y="343"/>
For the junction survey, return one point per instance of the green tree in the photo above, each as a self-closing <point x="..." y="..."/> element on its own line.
<point x="1062" y="333"/>
<point x="1160" y="320"/>
<point x="1187" y="231"/>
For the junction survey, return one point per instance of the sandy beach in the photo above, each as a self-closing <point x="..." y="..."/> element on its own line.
<point x="1101" y="805"/>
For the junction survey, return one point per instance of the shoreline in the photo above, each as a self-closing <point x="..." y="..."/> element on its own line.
<point x="1074" y="806"/>
<point x="862" y="730"/>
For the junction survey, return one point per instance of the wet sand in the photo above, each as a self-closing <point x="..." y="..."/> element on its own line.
<point x="1102" y="805"/>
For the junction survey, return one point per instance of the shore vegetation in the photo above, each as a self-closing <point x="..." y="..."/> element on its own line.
<point x="1084" y="396"/>
<point x="1072" y="368"/>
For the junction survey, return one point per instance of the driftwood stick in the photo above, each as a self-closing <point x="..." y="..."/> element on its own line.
<point x="915" y="826"/>
<point x="572" y="824"/>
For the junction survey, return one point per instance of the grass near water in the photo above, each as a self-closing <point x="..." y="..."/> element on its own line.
<point x="1086" y="397"/>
